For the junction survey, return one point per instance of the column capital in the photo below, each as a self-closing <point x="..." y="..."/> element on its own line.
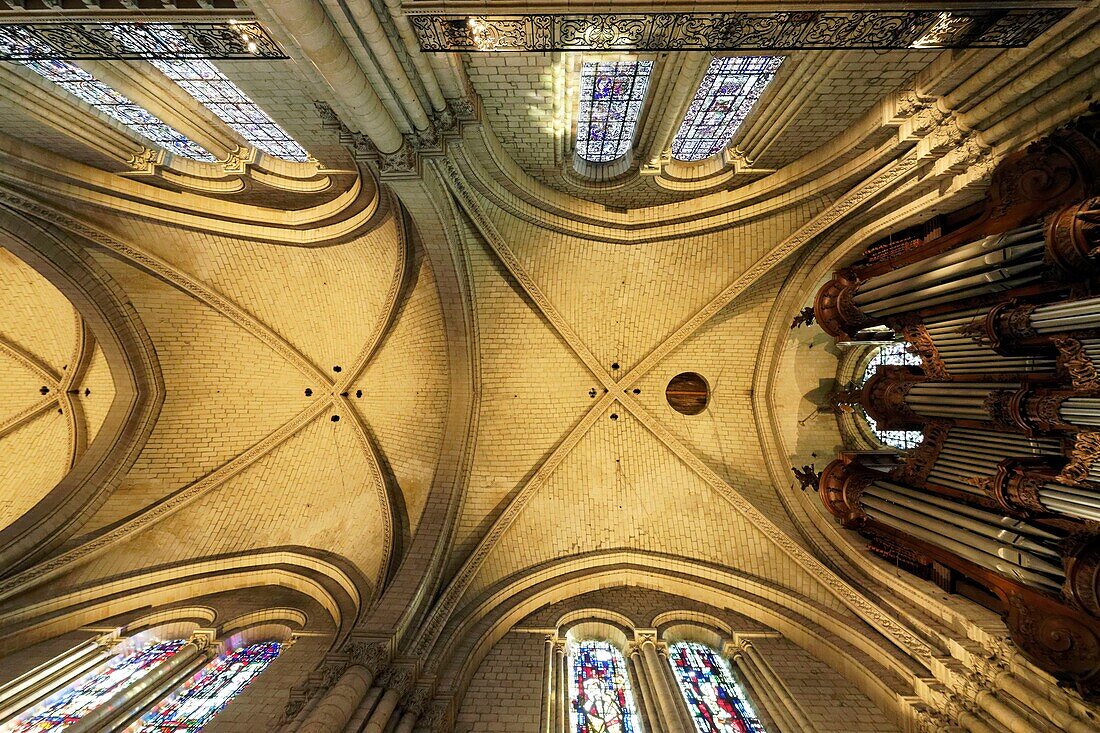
<point x="645" y="636"/>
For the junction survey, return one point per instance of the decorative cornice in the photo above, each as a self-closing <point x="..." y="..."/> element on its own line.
<point x="734" y="31"/>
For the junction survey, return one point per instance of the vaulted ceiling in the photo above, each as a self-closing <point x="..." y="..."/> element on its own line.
<point x="427" y="374"/>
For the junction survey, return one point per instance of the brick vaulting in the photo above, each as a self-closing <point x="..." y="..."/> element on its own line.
<point x="400" y="403"/>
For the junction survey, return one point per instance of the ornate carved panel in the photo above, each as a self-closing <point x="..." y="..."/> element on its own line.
<point x="237" y="39"/>
<point x="742" y="31"/>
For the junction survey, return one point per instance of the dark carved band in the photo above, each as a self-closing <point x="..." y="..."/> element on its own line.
<point x="239" y="39"/>
<point x="884" y="398"/>
<point x="1016" y="486"/>
<point x="1073" y="237"/>
<point x="742" y="31"/>
<point x="842" y="485"/>
<point x="1083" y="575"/>
<point x="835" y="311"/>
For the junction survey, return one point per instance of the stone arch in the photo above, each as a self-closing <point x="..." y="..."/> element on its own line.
<point x="139" y="390"/>
<point x="858" y="654"/>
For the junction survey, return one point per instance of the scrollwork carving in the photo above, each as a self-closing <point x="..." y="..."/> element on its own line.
<point x="1084" y="454"/>
<point x="920" y="460"/>
<point x="1077" y="364"/>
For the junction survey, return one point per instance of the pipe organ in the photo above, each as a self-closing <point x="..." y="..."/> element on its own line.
<point x="1001" y="302"/>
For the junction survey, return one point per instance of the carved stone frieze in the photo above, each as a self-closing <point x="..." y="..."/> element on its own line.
<point x="804" y="29"/>
<point x="146" y="160"/>
<point x="370" y="654"/>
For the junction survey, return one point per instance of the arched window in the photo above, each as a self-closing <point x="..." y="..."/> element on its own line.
<point x="730" y="88"/>
<point x="600" y="696"/>
<point x="87" y="88"/>
<point x="93" y="689"/>
<point x="209" y="691"/>
<point x="611" y="98"/>
<point x="213" y="89"/>
<point x="891" y="354"/>
<point x="717" y="703"/>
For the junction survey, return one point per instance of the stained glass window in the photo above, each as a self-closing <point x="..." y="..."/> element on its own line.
<point x="612" y="93"/>
<point x="891" y="354"/>
<point x="213" y="89"/>
<point x="86" y="87"/>
<point x="92" y="690"/>
<point x="209" y="691"/>
<point x="600" y="694"/>
<point x="730" y="88"/>
<point x="717" y="703"/>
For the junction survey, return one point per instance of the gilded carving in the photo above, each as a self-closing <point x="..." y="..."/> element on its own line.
<point x="1076" y="363"/>
<point x="1084" y="454"/>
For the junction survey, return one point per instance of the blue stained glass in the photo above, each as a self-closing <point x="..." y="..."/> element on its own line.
<point x="209" y="691"/>
<point x="893" y="354"/>
<point x="211" y="88"/>
<point x="86" y="87"/>
<point x="717" y="703"/>
<point x="730" y="88"/>
<point x="611" y="98"/>
<point x="600" y="697"/>
<point x="92" y="690"/>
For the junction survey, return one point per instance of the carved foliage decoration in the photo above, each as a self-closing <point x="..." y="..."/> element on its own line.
<point x="1065" y="644"/>
<point x="920" y="343"/>
<point x="1085" y="453"/>
<point x="920" y="460"/>
<point x="778" y="30"/>
<point x="1077" y="364"/>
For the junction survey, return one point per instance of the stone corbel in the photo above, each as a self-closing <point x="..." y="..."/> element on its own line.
<point x="901" y="106"/>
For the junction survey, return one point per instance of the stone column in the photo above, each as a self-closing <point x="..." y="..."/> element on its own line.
<point x="561" y="677"/>
<point x="396" y="683"/>
<point x="645" y="689"/>
<point x="133" y="700"/>
<point x="412" y="708"/>
<point x="779" y="691"/>
<point x="668" y="700"/>
<point x="546" y="714"/>
<point x="31" y="688"/>
<point x="339" y="703"/>
<point x="686" y="719"/>
<point x="763" y="700"/>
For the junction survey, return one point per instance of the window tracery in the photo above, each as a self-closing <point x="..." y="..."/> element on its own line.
<point x="93" y="689"/>
<point x="600" y="694"/>
<point x="87" y="88"/>
<point x="214" y="90"/>
<point x="892" y="354"/>
<point x="716" y="701"/>
<point x="730" y="88"/>
<point x="209" y="691"/>
<point x="611" y="97"/>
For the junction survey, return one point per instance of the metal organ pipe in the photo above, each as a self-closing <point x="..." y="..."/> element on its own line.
<point x="988" y="265"/>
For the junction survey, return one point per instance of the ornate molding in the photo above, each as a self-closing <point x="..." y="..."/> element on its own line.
<point x="1084" y="454"/>
<point x="232" y="39"/>
<point x="1077" y="365"/>
<point x="741" y="31"/>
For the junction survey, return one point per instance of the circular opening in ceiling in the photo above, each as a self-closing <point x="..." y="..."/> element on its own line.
<point x="688" y="393"/>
